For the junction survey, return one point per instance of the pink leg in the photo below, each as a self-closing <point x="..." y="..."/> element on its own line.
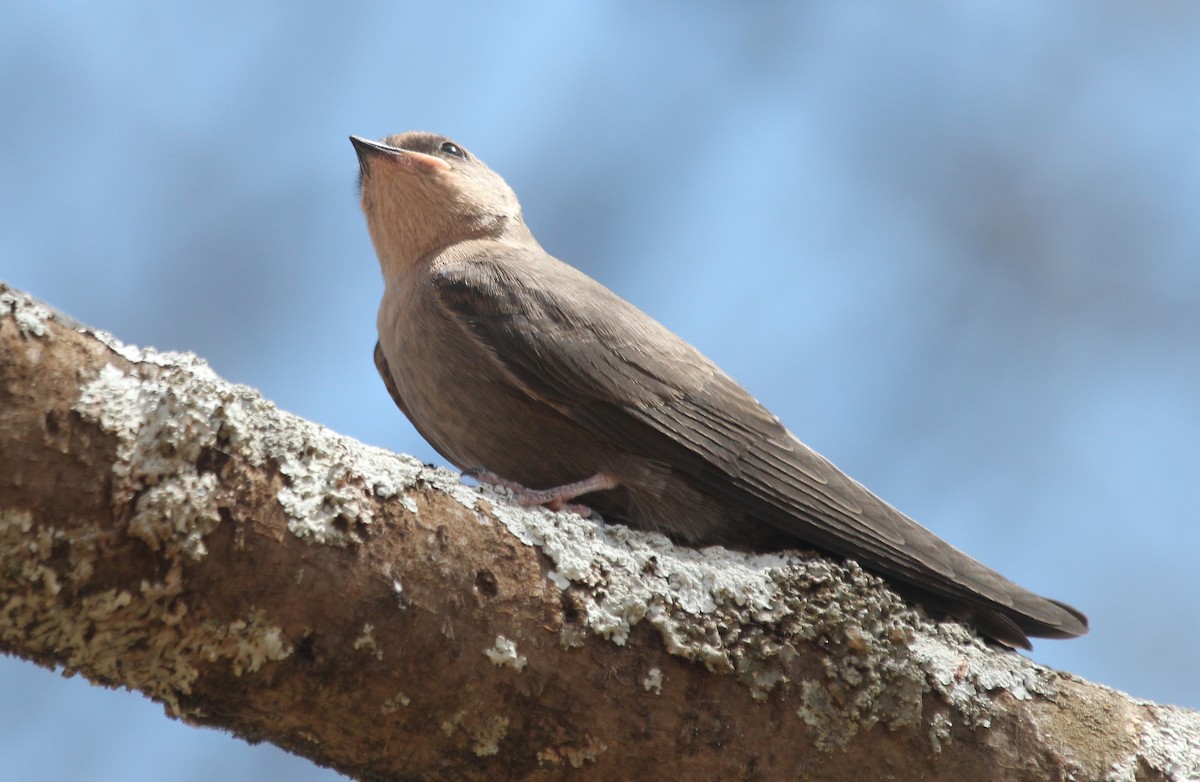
<point x="557" y="498"/>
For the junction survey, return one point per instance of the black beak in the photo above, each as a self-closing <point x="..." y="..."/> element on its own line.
<point x="366" y="149"/>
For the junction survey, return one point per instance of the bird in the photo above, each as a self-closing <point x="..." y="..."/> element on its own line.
<point x="522" y="370"/>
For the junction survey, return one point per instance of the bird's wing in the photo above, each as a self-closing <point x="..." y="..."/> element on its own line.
<point x="570" y="342"/>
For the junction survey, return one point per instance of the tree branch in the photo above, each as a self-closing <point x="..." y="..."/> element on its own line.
<point x="164" y="530"/>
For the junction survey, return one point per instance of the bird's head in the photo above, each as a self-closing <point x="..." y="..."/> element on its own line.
<point x="422" y="192"/>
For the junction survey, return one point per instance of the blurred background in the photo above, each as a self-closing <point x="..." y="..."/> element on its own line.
<point x="954" y="246"/>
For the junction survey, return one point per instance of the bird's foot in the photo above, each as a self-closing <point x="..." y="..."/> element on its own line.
<point x="557" y="498"/>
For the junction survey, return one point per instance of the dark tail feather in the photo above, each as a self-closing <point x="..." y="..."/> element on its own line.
<point x="1072" y="625"/>
<point x="1005" y="626"/>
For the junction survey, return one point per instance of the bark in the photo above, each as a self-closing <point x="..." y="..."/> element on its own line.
<point x="164" y="530"/>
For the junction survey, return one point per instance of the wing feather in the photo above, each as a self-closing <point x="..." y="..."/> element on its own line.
<point x="570" y="342"/>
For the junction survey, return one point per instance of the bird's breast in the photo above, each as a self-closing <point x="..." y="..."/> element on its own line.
<point x="462" y="400"/>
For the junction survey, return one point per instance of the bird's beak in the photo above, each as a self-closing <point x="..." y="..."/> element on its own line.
<point x="370" y="151"/>
<point x="367" y="149"/>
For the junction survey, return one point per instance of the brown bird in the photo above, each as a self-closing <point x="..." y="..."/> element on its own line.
<point x="523" y="370"/>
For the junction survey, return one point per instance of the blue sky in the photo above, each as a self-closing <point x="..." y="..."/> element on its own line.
<point x="952" y="245"/>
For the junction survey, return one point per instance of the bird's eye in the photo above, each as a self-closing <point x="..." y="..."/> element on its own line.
<point x="450" y="148"/>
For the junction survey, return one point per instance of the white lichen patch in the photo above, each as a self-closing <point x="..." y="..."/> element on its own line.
<point x="160" y="437"/>
<point x="178" y="513"/>
<point x="966" y="673"/>
<point x="131" y="352"/>
<point x="28" y="313"/>
<point x="653" y="681"/>
<point x="16" y="528"/>
<point x="321" y="503"/>
<point x="1168" y="743"/>
<point x="488" y="736"/>
<point x="939" y="731"/>
<point x="168" y="417"/>
<point x="254" y="643"/>
<point x="104" y="631"/>
<point x="395" y="703"/>
<point x="366" y="640"/>
<point x="573" y="756"/>
<point x="451" y="724"/>
<point x="643" y="573"/>
<point x="504" y="652"/>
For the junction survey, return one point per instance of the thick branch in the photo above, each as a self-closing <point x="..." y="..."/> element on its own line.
<point x="164" y="530"/>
